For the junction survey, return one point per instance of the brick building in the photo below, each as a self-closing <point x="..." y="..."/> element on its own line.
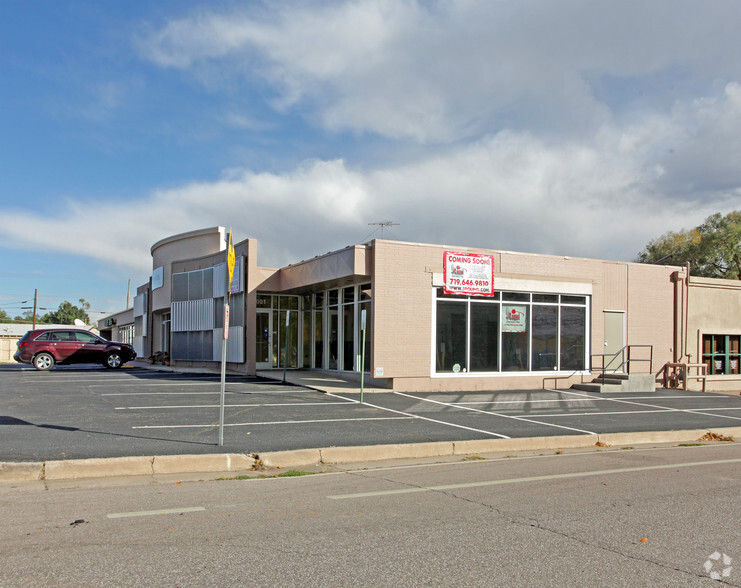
<point x="548" y="321"/>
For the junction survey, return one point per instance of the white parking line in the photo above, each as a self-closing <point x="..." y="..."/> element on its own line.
<point x="559" y="400"/>
<point x="271" y="423"/>
<point x="665" y="408"/>
<point x="260" y="393"/>
<point x="613" y="412"/>
<point x="253" y="405"/>
<point x="416" y="416"/>
<point x="489" y="412"/>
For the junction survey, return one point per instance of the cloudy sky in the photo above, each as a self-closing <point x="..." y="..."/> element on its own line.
<point x="574" y="127"/>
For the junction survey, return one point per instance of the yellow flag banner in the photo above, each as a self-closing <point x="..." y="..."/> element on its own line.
<point x="230" y="259"/>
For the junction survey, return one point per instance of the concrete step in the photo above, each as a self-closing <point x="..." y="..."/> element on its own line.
<point x="620" y="383"/>
<point x="598" y="388"/>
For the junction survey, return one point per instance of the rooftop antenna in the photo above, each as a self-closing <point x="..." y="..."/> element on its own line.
<point x="383" y="224"/>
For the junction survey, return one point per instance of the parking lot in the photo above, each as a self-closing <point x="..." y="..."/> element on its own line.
<point x="79" y="412"/>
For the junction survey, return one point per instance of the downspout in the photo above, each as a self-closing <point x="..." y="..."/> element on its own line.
<point x="678" y="351"/>
<point x="687" y="312"/>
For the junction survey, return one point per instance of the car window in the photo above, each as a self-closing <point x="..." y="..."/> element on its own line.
<point x="86" y="337"/>
<point x="43" y="337"/>
<point x="62" y="336"/>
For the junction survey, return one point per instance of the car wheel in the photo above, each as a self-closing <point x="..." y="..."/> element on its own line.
<point x="113" y="360"/>
<point x="43" y="362"/>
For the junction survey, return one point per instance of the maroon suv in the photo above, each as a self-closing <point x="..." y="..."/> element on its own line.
<point x="45" y="347"/>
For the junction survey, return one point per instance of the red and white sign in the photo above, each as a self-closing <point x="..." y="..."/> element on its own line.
<point x="468" y="273"/>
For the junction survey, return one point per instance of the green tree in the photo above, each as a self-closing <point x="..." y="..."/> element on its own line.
<point x="713" y="248"/>
<point x="67" y="313"/>
<point x="26" y="317"/>
<point x="4" y="318"/>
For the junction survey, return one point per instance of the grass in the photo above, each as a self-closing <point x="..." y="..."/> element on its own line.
<point x="286" y="474"/>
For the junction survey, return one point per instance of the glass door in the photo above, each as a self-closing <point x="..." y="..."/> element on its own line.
<point x="282" y="337"/>
<point x="263" y="340"/>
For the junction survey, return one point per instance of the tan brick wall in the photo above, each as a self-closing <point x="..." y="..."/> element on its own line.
<point x="403" y="300"/>
<point x="650" y="316"/>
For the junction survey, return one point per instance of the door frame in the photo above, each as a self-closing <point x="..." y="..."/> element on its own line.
<point x="264" y="365"/>
<point x="621" y="361"/>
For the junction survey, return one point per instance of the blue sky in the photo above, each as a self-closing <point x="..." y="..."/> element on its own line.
<point x="573" y="127"/>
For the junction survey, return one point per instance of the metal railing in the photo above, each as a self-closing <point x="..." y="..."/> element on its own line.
<point x="557" y="378"/>
<point x="681" y="372"/>
<point x="624" y="359"/>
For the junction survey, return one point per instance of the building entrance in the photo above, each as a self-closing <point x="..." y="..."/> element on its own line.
<point x="272" y="338"/>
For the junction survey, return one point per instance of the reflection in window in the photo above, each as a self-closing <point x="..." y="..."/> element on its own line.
<point x="451" y="336"/>
<point x="478" y="335"/>
<point x="545" y="337"/>
<point x="484" y="334"/>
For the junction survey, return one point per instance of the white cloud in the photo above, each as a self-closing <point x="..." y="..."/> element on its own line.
<point x="604" y="196"/>
<point x="441" y="71"/>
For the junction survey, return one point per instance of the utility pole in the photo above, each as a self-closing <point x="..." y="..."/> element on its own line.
<point x="35" y="296"/>
<point x="128" y="293"/>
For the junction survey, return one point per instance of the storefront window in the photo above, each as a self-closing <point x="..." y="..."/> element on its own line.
<point x="484" y="335"/>
<point x="573" y="337"/>
<point x="515" y="337"/>
<point x="348" y="332"/>
<point x="525" y="333"/>
<point x="318" y="340"/>
<point x="545" y="338"/>
<point x="721" y="353"/>
<point x="451" y="336"/>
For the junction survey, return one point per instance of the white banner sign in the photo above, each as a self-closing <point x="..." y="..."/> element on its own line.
<point x="468" y="273"/>
<point x="514" y="319"/>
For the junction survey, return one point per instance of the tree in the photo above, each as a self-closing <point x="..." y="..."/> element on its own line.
<point x="713" y="248"/>
<point x="67" y="313"/>
<point x="4" y="317"/>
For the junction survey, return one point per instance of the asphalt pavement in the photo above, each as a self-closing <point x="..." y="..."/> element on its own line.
<point x="90" y="412"/>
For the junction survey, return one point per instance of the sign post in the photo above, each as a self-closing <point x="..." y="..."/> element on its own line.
<point x="285" y="353"/>
<point x="229" y="271"/>
<point x="362" y="355"/>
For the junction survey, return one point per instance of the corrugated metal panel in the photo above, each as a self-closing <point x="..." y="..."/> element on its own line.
<point x="192" y="315"/>
<point x="140" y="304"/>
<point x="237" y="280"/>
<point x="219" y="280"/>
<point x="139" y="346"/>
<point x="234" y="345"/>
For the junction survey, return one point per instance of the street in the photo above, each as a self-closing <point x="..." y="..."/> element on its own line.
<point x="664" y="516"/>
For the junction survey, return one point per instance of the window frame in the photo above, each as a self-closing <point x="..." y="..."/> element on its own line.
<point x="513" y="298"/>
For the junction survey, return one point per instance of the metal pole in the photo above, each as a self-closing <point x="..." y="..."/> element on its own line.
<point x="35" y="294"/>
<point x="285" y="357"/>
<point x="223" y="351"/>
<point x="362" y="356"/>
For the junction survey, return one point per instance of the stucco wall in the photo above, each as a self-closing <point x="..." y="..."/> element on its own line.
<point x="178" y="247"/>
<point x="713" y="308"/>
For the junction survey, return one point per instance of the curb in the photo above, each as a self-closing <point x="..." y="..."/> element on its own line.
<point x="76" y="469"/>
